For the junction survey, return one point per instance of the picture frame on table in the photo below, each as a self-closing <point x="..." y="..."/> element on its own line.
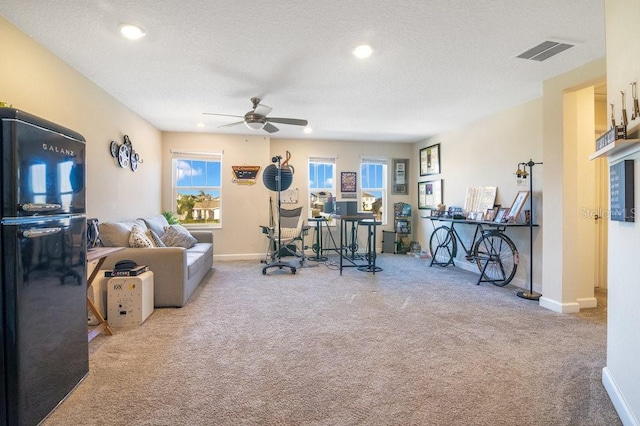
<point x="429" y="194"/>
<point x="490" y="214"/>
<point x="501" y="215"/>
<point x="430" y="160"/>
<point x="517" y="205"/>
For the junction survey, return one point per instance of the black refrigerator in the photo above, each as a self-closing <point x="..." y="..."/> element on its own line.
<point x="43" y="311"/>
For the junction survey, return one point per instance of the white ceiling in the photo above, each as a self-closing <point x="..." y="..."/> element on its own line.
<point x="437" y="64"/>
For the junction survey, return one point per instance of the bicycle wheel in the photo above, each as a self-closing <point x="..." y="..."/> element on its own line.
<point x="496" y="254"/>
<point x="443" y="246"/>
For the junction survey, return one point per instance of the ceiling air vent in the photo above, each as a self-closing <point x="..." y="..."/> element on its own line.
<point x="545" y="50"/>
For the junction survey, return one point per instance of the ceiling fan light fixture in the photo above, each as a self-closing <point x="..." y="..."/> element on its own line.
<point x="254" y="125"/>
<point x="307" y="130"/>
<point x="131" y="31"/>
<point x="363" y="51"/>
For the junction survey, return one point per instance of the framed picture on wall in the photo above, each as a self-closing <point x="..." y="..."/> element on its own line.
<point x="429" y="194"/>
<point x="400" y="176"/>
<point x="430" y="160"/>
<point x="348" y="181"/>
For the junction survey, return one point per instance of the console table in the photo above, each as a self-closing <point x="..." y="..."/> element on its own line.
<point x="100" y="254"/>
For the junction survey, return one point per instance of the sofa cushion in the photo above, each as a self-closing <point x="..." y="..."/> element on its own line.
<point x="138" y="238"/>
<point x="177" y="236"/>
<point x="156" y="223"/>
<point x="200" y="248"/>
<point x="116" y="234"/>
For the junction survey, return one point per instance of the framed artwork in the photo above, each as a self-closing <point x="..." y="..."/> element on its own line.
<point x="502" y="214"/>
<point x="348" y="181"/>
<point x="429" y="194"/>
<point x="516" y="207"/>
<point x="400" y="176"/>
<point x="490" y="214"/>
<point x="430" y="160"/>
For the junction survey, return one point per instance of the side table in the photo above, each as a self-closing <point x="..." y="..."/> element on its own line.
<point x="100" y="254"/>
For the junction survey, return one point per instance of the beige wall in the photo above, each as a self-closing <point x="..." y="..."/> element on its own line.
<point x="622" y="373"/>
<point x="561" y="289"/>
<point x="486" y="153"/>
<point x="348" y="156"/>
<point x="34" y="80"/>
<point x="244" y="207"/>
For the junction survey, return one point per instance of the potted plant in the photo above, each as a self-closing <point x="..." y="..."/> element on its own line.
<point x="171" y="218"/>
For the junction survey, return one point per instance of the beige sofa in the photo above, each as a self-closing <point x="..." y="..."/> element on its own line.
<point x="177" y="271"/>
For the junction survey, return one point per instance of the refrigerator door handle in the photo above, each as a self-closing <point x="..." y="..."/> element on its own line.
<point x="40" y="232"/>
<point x="40" y="207"/>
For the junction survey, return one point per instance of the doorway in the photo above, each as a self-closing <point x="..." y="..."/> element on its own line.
<point x="584" y="119"/>
<point x="601" y="168"/>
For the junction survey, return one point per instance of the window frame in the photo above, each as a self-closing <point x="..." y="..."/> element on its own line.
<point x="212" y="157"/>
<point x="331" y="190"/>
<point x="384" y="163"/>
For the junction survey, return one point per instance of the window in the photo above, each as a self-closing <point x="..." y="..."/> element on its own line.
<point x="322" y="173"/>
<point x="373" y="187"/>
<point x="197" y="191"/>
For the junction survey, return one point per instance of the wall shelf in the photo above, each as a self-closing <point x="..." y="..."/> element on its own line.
<point x="612" y="148"/>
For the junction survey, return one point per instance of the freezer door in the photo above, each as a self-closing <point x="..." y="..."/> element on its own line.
<point x="43" y="170"/>
<point x="44" y="280"/>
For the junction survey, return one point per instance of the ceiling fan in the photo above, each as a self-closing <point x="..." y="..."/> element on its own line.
<point x="257" y="119"/>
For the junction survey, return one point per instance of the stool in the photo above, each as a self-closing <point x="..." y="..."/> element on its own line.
<point x="317" y="247"/>
<point x="371" y="225"/>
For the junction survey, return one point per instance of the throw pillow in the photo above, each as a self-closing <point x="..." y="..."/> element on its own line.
<point x="155" y="238"/>
<point x="156" y="223"/>
<point x="138" y="239"/>
<point x="177" y="236"/>
<point x="116" y="234"/>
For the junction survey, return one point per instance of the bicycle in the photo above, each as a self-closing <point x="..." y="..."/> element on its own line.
<point x="494" y="253"/>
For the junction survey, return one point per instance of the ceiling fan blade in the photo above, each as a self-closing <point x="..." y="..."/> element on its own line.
<point x="294" y="121"/>
<point x="223" y="115"/>
<point x="270" y="128"/>
<point x="262" y="109"/>
<point x="231" y="124"/>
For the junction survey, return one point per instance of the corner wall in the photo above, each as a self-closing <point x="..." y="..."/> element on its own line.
<point x="621" y="376"/>
<point x="561" y="289"/>
<point x="36" y="81"/>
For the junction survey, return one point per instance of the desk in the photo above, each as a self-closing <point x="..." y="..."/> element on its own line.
<point x="345" y="221"/>
<point x="99" y="254"/>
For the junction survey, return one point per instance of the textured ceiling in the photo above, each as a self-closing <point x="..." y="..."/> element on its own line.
<point x="437" y="64"/>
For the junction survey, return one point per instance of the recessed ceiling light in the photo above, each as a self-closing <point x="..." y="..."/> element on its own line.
<point x="132" y="32"/>
<point x="363" y="51"/>
<point x="200" y="125"/>
<point x="307" y="130"/>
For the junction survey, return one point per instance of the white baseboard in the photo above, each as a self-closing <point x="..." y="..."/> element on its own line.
<point x="228" y="257"/>
<point x="568" y="308"/>
<point x="563" y="308"/>
<point x="587" y="302"/>
<point x="619" y="403"/>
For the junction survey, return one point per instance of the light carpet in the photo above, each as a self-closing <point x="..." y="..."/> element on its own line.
<point x="411" y="345"/>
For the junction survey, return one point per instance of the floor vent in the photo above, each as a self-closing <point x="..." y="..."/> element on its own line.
<point x="545" y="50"/>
